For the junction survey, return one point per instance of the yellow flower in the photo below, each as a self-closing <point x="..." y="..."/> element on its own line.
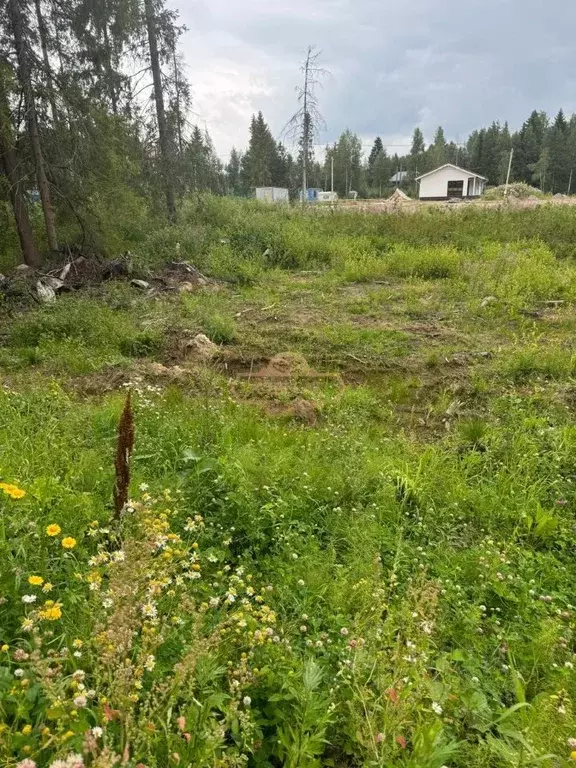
<point x="48" y="587"/>
<point x="77" y="643"/>
<point x="45" y="731"/>
<point x="26" y="730"/>
<point x="27" y="625"/>
<point x="69" y="542"/>
<point x="36" y="581"/>
<point x="573" y="755"/>
<point x="67" y="735"/>
<point x="51" y="612"/>
<point x="5" y="648"/>
<point x="16" y="493"/>
<point x="53" y="529"/>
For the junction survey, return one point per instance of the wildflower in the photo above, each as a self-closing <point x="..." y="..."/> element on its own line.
<point x="118" y="557"/>
<point x="27" y="625"/>
<point x="80" y="701"/>
<point x="303" y="628"/>
<point x="35" y="581"/>
<point x="437" y="708"/>
<point x="5" y="648"/>
<point x="150" y="662"/>
<point x="26" y="730"/>
<point x="74" y="761"/>
<point x="97" y="731"/>
<point x="12" y="490"/>
<point x="53" y="529"/>
<point x="77" y="643"/>
<point x="344" y="631"/>
<point x="18" y="672"/>
<point x="301" y="582"/>
<point x="181" y="722"/>
<point x="69" y="542"/>
<point x="568" y="665"/>
<point x="379" y="738"/>
<point x="48" y="587"/>
<point x="246" y="701"/>
<point x="573" y="755"/>
<point x="51" y="611"/>
<point x="26" y="763"/>
<point x="20" y="655"/>
<point x="149" y="610"/>
<point x="29" y="598"/>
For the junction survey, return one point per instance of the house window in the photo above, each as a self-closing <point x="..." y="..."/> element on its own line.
<point x="455" y="189"/>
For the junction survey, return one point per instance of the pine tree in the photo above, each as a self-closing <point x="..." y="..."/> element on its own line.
<point x="381" y="173"/>
<point x="377" y="147"/>
<point x="540" y="170"/>
<point x="348" y="173"/>
<point x="10" y="163"/>
<point x="260" y="161"/>
<point x="21" y="36"/>
<point x="165" y="141"/>
<point x="233" y="172"/>
<point x="559" y="161"/>
<point x="437" y="150"/>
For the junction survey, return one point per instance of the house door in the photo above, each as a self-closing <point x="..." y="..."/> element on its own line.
<point x="455" y="189"/>
<point x="470" y="192"/>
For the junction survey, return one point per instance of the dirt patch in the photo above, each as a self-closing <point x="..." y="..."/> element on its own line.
<point x="286" y="365"/>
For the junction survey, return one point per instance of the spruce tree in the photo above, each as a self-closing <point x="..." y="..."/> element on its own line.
<point x="559" y="160"/>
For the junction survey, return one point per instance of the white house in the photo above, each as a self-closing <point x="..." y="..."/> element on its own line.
<point x="450" y="181"/>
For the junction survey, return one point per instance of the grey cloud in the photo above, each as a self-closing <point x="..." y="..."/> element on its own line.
<point x="394" y="65"/>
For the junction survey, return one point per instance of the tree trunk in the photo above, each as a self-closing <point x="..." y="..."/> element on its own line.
<point x="46" y="60"/>
<point x="110" y="71"/>
<point x="14" y="172"/>
<point x="32" y="121"/>
<point x="164" y="139"/>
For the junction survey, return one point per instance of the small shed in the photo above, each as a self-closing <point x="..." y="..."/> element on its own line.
<point x="450" y="181"/>
<point x="272" y="194"/>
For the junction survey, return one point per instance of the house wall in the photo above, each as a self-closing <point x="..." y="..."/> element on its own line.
<point x="436" y="184"/>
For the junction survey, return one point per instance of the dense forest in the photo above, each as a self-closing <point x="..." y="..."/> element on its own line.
<point x="95" y="131"/>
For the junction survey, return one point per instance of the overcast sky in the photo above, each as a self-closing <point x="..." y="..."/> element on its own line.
<point x="394" y="64"/>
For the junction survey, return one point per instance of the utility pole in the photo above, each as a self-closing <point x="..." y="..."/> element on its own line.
<point x="508" y="174"/>
<point x="570" y="181"/>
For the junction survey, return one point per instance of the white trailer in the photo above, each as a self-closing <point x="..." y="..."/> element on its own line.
<point x="327" y="197"/>
<point x="272" y="194"/>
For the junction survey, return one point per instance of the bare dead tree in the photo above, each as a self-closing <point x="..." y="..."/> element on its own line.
<point x="307" y="121"/>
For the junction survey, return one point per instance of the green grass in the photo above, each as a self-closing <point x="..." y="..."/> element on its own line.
<point x="366" y="564"/>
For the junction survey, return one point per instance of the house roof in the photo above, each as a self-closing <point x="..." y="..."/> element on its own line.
<point x="451" y="165"/>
